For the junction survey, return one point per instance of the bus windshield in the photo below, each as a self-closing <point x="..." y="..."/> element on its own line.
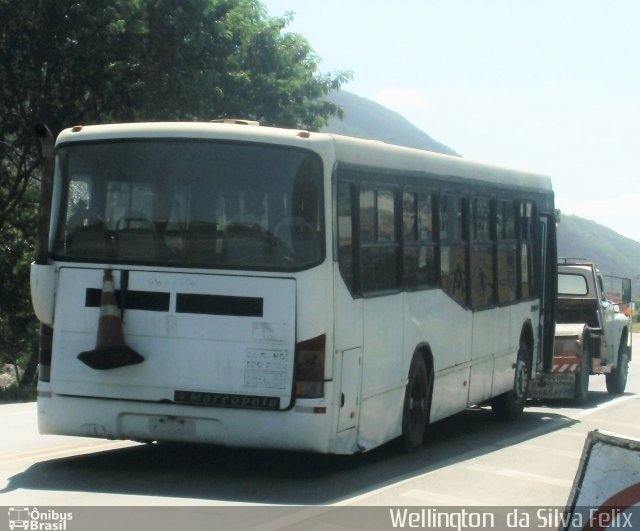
<point x="192" y="203"/>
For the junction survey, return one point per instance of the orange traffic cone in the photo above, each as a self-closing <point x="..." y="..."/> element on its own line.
<point x="111" y="351"/>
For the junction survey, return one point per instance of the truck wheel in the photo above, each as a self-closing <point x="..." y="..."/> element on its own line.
<point x="510" y="405"/>
<point x="581" y="391"/>
<point x="416" y="404"/>
<point x="617" y="378"/>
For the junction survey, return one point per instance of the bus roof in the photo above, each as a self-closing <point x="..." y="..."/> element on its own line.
<point x="348" y="150"/>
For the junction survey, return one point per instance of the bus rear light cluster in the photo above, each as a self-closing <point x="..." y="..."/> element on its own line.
<point x="309" y="368"/>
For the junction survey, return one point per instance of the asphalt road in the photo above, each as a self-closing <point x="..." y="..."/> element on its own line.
<point x="470" y="460"/>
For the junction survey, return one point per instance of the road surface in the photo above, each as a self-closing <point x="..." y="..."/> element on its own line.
<point x="470" y="460"/>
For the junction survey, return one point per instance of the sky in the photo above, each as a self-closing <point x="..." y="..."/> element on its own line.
<point x="550" y="86"/>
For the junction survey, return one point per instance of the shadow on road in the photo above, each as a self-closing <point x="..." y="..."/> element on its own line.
<point x="594" y="399"/>
<point x="276" y="477"/>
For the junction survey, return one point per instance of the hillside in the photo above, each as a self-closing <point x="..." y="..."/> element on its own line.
<point x="614" y="254"/>
<point x="364" y="118"/>
<point x="577" y="237"/>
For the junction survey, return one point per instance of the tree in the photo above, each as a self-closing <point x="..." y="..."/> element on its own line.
<point x="17" y="324"/>
<point x="67" y="62"/>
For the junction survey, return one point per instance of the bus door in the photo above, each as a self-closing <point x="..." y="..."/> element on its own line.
<point x="348" y="313"/>
<point x="350" y="364"/>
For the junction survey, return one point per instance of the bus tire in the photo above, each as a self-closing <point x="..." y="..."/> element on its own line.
<point x="510" y="405"/>
<point x="415" y="413"/>
<point x="581" y="389"/>
<point x="617" y="378"/>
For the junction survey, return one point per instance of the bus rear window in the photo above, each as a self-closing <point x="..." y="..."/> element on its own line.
<point x="191" y="203"/>
<point x="572" y="284"/>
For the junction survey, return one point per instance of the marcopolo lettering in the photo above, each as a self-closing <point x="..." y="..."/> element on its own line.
<point x="196" y="398"/>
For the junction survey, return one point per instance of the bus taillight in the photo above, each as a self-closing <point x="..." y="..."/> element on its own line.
<point x="309" y="369"/>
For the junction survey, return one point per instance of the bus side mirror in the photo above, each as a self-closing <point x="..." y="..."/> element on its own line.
<point x="557" y="214"/>
<point x="626" y="290"/>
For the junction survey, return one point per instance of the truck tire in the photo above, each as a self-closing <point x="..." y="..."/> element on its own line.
<point x="415" y="413"/>
<point x="510" y="405"/>
<point x="581" y="390"/>
<point x="617" y="378"/>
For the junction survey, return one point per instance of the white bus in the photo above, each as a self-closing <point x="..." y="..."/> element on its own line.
<point x="285" y="289"/>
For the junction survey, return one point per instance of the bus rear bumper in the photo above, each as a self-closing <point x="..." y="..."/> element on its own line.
<point x="302" y="428"/>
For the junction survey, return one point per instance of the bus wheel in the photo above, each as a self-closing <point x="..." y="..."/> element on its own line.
<point x="617" y="378"/>
<point x="510" y="405"/>
<point x="581" y="390"/>
<point x="416" y="405"/>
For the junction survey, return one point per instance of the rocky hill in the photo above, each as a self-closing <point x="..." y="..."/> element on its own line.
<point x="614" y="254"/>
<point x="367" y="119"/>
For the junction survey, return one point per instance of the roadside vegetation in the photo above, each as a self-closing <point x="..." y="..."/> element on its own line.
<point x="64" y="62"/>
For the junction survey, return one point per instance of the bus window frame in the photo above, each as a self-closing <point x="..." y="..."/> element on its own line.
<point x="62" y="189"/>
<point x="438" y="187"/>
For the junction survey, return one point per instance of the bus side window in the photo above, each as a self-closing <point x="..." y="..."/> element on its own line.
<point x="419" y="248"/>
<point x="507" y="250"/>
<point x="345" y="234"/>
<point x="481" y="253"/>
<point x="453" y="249"/>
<point x="527" y="273"/>
<point x="379" y="246"/>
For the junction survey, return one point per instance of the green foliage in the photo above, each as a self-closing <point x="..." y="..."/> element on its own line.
<point x="18" y="326"/>
<point x="122" y="60"/>
<point x="64" y="62"/>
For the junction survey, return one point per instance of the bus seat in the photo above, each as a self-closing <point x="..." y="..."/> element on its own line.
<point x="245" y="243"/>
<point x="136" y="236"/>
<point x="297" y="234"/>
<point x="203" y="242"/>
<point x="85" y="234"/>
